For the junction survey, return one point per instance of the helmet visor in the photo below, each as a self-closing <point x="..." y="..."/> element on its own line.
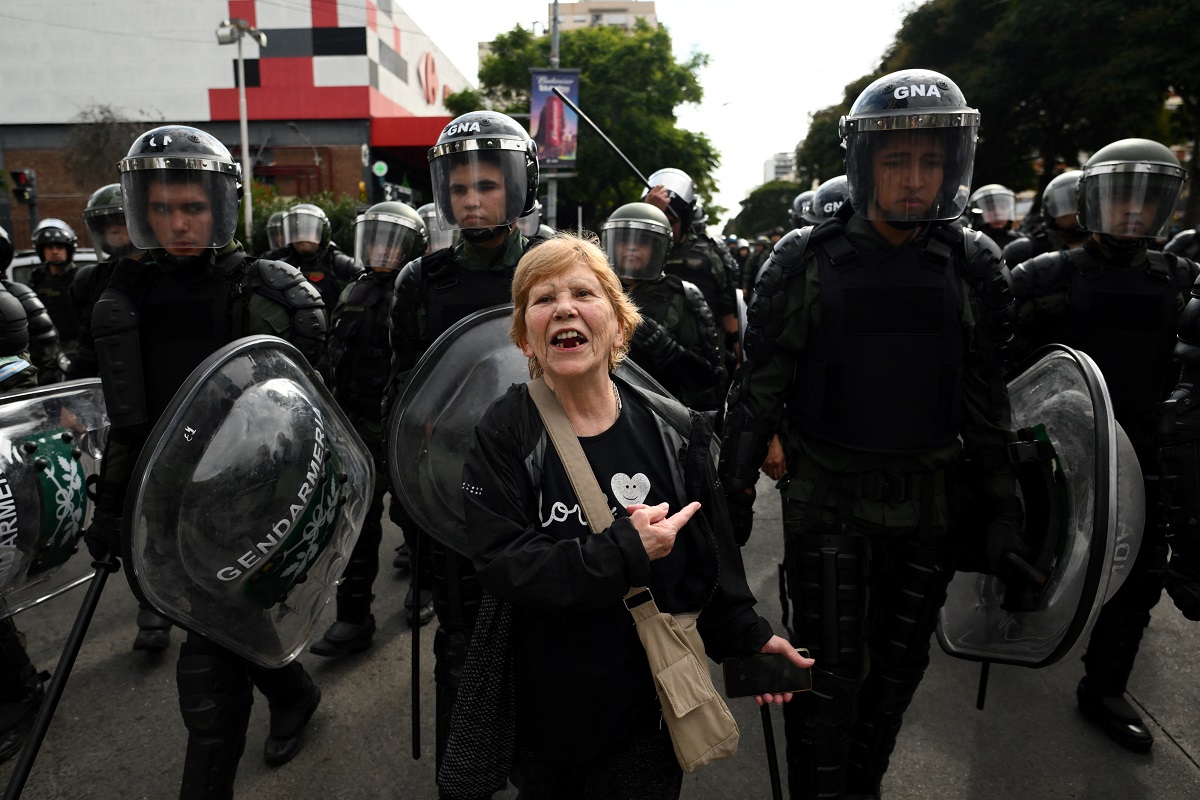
<point x="480" y="188"/>
<point x="109" y="233"/>
<point x="302" y="226"/>
<point x="181" y="211"/>
<point x="275" y="233"/>
<point x="1061" y="199"/>
<point x="1129" y="200"/>
<point x="910" y="174"/>
<point x="635" y="250"/>
<point x="384" y="241"/>
<point x="997" y="209"/>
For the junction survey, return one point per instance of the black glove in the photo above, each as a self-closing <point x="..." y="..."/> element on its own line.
<point x="1007" y="556"/>
<point x="652" y="338"/>
<point x="1181" y="578"/>
<point x="103" y="538"/>
<point x="741" y="513"/>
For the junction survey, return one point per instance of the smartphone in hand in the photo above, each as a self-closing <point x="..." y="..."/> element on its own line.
<point x="765" y="673"/>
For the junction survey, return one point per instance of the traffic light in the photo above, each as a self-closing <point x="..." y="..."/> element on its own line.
<point x="24" y="186"/>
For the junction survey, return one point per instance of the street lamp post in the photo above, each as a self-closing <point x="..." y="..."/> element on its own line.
<point x="228" y="32"/>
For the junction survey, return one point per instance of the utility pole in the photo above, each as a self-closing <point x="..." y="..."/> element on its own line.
<point x="551" y="181"/>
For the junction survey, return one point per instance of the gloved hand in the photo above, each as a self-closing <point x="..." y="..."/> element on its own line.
<point x="1007" y="556"/>
<point x="103" y="538"/>
<point x="651" y="338"/>
<point x="741" y="513"/>
<point x="1182" y="579"/>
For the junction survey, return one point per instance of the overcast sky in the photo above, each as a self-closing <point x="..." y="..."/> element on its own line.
<point x="771" y="64"/>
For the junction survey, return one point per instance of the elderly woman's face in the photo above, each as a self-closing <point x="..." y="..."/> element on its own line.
<point x="570" y="324"/>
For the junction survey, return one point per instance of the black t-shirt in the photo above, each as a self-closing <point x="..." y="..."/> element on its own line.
<point x="583" y="682"/>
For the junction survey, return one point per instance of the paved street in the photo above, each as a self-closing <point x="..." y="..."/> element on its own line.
<point x="117" y="733"/>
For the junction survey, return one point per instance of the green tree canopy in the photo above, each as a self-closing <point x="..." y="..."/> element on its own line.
<point x="630" y="85"/>
<point x="1051" y="80"/>
<point x="766" y="207"/>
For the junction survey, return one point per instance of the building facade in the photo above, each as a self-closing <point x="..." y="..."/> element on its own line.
<point x="343" y="90"/>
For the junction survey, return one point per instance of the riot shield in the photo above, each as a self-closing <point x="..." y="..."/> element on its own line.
<point x="250" y="493"/>
<point x="1085" y="506"/>
<point x="51" y="439"/>
<point x="469" y="367"/>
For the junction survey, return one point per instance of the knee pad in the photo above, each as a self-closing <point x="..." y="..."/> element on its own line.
<point x="214" y="692"/>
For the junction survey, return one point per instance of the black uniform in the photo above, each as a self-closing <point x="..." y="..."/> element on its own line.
<point x="1120" y="303"/>
<point x="54" y="291"/>
<point x="871" y="451"/>
<point x="678" y="342"/>
<point x="431" y="294"/>
<point x="180" y="311"/>
<point x="330" y="270"/>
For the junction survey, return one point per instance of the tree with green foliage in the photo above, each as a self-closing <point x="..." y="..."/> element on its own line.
<point x="630" y="85"/>
<point x="1051" y="80"/>
<point x="766" y="207"/>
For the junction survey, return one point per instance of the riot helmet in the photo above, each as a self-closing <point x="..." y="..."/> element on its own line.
<point x="994" y="205"/>
<point x="438" y="238"/>
<point x="52" y="230"/>
<point x="546" y="232"/>
<point x="680" y="189"/>
<point x="275" y="231"/>
<point x="910" y="148"/>
<point x="1129" y="188"/>
<point x="828" y="198"/>
<point x="801" y="213"/>
<point x="388" y="235"/>
<point x="181" y="188"/>
<point x="6" y="252"/>
<point x="530" y="222"/>
<point x="14" y="323"/>
<point x="308" y="226"/>
<point x="1060" y="199"/>
<point x="636" y="239"/>
<point x="105" y="219"/>
<point x="485" y="174"/>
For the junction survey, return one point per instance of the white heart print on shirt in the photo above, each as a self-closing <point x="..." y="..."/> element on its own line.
<point x="630" y="490"/>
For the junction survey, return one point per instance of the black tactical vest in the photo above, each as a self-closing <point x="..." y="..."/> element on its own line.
<point x="54" y="291"/>
<point x="360" y="355"/>
<point x="883" y="372"/>
<point x="690" y="262"/>
<point x="1125" y="318"/>
<point x="453" y="292"/>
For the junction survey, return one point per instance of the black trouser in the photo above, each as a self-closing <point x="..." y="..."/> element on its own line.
<point x="1117" y="634"/>
<point x="865" y="601"/>
<point x="354" y="596"/>
<point x="641" y="768"/>
<point x="215" y="700"/>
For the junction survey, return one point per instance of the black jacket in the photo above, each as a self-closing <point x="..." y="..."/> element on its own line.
<point x="519" y="564"/>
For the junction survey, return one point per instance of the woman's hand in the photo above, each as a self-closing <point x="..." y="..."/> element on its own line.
<point x="656" y="528"/>
<point x="777" y="644"/>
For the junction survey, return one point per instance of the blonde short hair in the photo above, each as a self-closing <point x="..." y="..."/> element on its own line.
<point x="555" y="256"/>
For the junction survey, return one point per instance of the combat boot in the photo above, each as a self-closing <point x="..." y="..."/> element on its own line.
<point x="17" y="714"/>
<point x="424" y="613"/>
<point x="154" y="632"/>
<point x="345" y="638"/>
<point x="1115" y="716"/>
<point x="288" y="720"/>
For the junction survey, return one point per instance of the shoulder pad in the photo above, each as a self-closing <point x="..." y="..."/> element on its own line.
<point x="277" y="275"/>
<point x="789" y="250"/>
<point x="1180" y="271"/>
<point x="22" y="291"/>
<point x="1181" y="242"/>
<point x="1041" y="274"/>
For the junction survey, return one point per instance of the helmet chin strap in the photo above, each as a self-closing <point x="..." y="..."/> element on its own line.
<point x="481" y="235"/>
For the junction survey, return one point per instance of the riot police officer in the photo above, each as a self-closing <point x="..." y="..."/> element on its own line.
<point x="485" y="176"/>
<point x="693" y="257"/>
<point x="1060" y="229"/>
<point x="20" y="685"/>
<point x="872" y="452"/>
<point x="275" y="240"/>
<point x="801" y="212"/>
<point x="386" y="237"/>
<point x="153" y="324"/>
<point x="677" y="342"/>
<point x="55" y="243"/>
<point x="45" y="353"/>
<point x="309" y="247"/>
<point x="828" y="199"/>
<point x="105" y="219"/>
<point x="993" y="211"/>
<point x="1120" y="303"/>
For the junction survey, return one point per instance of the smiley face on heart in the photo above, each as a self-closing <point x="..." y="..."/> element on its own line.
<point x="630" y="490"/>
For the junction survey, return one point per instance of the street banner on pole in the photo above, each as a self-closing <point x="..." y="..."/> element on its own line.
<point x="553" y="125"/>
